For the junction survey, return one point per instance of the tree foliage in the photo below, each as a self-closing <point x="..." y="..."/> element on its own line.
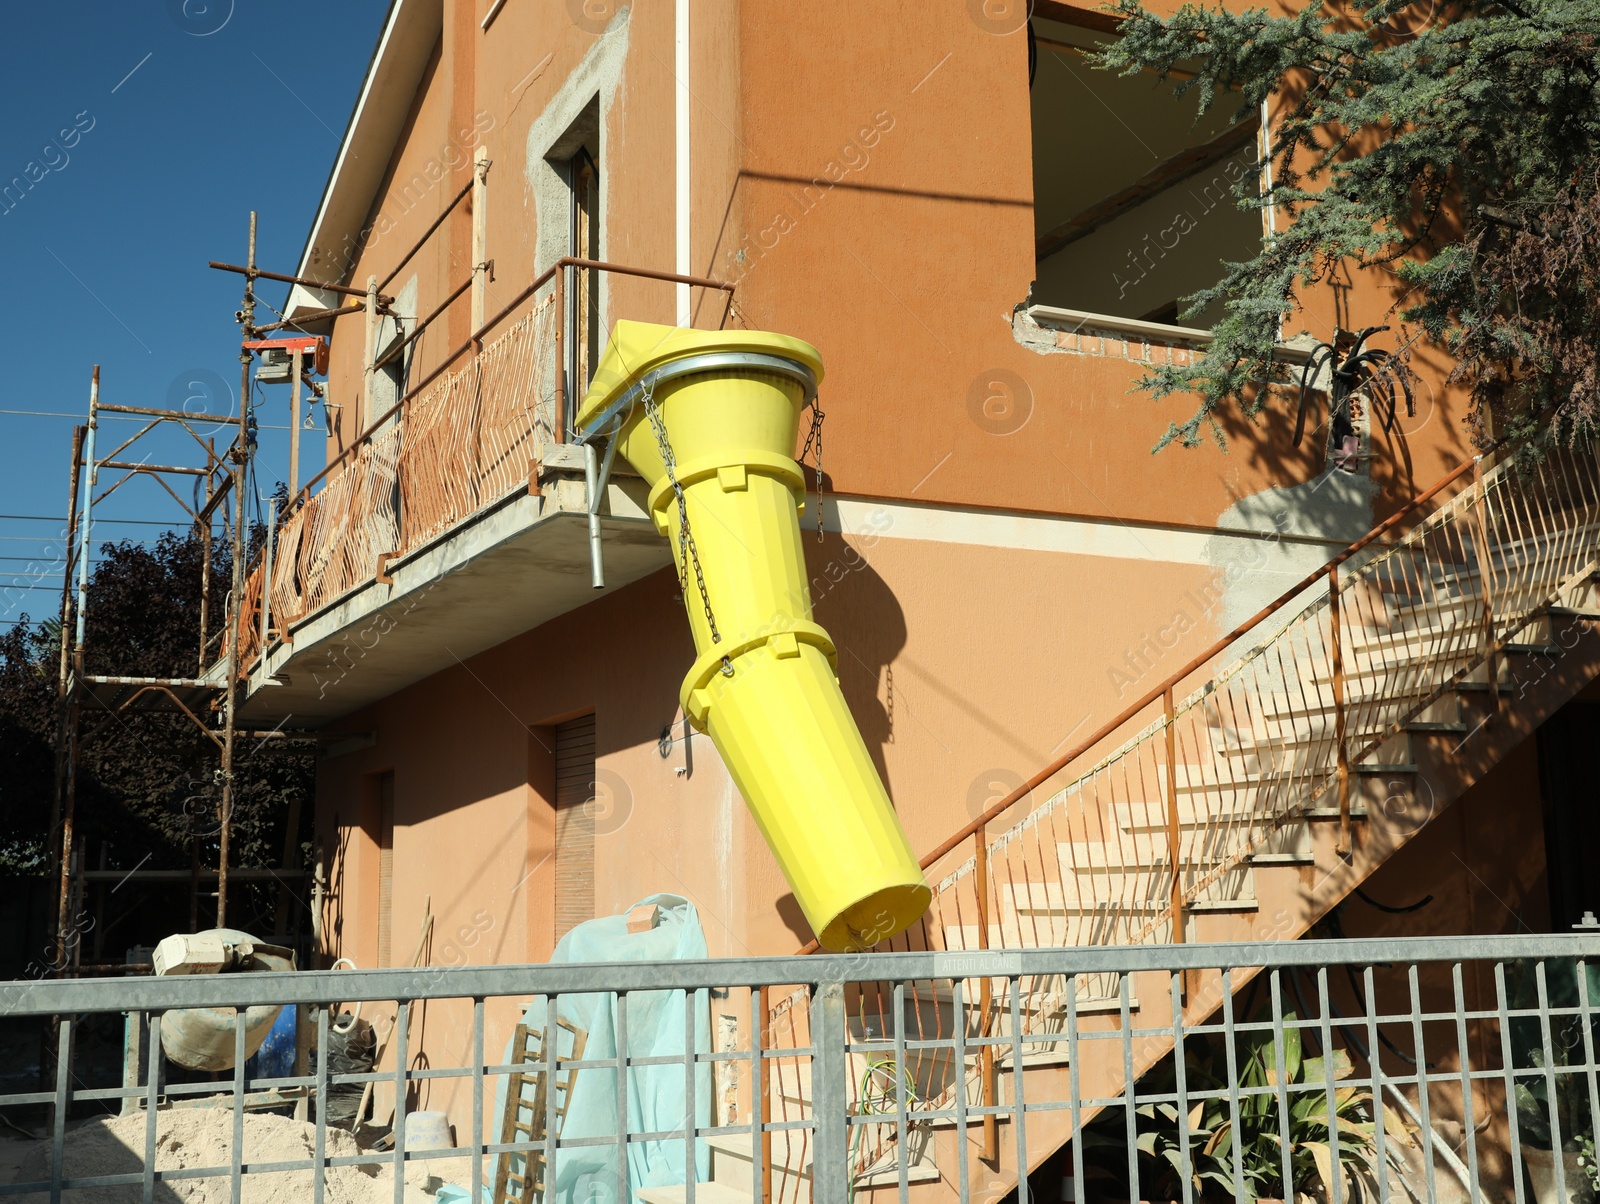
<point x="1452" y="149"/>
<point x="148" y="788"/>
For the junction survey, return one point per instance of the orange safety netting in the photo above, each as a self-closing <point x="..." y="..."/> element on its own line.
<point x="464" y="443"/>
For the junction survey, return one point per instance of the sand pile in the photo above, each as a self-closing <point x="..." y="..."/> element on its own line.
<point x="201" y="1137"/>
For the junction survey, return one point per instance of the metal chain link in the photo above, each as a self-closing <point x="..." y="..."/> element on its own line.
<point x="688" y="554"/>
<point x="814" y="435"/>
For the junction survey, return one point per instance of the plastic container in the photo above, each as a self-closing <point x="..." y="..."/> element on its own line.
<point x="765" y="684"/>
<point x="429" y="1131"/>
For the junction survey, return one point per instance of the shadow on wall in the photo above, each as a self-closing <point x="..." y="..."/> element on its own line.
<point x="860" y="611"/>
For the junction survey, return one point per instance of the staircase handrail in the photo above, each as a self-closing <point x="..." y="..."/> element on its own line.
<point x="1159" y="691"/>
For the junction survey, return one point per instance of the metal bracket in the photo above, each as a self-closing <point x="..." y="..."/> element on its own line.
<point x="712" y="361"/>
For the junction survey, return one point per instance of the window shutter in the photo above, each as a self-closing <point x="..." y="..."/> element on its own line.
<point x="574" y="823"/>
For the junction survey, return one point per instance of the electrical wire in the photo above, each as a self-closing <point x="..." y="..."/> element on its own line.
<point x="1403" y="910"/>
<point x="885" y="1102"/>
<point x="56" y="518"/>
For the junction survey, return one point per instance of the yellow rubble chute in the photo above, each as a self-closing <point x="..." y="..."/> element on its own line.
<point x="711" y="417"/>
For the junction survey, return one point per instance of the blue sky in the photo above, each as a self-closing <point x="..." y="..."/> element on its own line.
<point x="180" y="116"/>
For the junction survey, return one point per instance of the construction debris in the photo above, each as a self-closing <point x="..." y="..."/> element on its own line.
<point x="203" y="1137"/>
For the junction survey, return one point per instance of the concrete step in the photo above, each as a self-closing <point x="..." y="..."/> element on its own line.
<point x="704" y="1193"/>
<point x="731" y="1159"/>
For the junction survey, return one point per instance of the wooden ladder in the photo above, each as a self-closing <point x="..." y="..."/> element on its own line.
<point x="526" y="1092"/>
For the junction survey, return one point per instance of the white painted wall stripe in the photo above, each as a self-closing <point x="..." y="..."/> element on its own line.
<point x="681" y="69"/>
<point x="867" y="517"/>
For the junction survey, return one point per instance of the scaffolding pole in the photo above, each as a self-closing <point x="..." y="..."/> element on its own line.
<point x="230" y="698"/>
<point x="216" y="685"/>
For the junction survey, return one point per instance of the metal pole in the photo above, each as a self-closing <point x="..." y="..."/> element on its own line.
<point x="70" y="794"/>
<point x="560" y="433"/>
<point x="88" y="504"/>
<point x="480" y="238"/>
<point x="297" y="363"/>
<point x="266" y="576"/>
<point x="230" y="707"/>
<point x="759" y="1041"/>
<point x="205" y="557"/>
<point x="63" y="669"/>
<point x="78" y="433"/>
<point x="595" y="476"/>
<point x="368" y="364"/>
<point x="1343" y="847"/>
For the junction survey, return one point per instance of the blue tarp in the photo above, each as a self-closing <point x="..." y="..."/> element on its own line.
<point x="656" y="1095"/>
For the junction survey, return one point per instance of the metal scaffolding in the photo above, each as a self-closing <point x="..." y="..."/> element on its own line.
<point x="90" y="703"/>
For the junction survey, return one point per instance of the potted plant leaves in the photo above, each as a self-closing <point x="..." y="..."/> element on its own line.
<point x="1249" y="1154"/>
<point x="1541" y="1111"/>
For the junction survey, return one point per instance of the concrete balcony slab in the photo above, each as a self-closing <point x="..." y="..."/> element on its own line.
<point x="499" y="573"/>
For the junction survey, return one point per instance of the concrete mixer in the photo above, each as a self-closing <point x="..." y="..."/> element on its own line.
<point x="203" y="1038"/>
<point x="709" y="419"/>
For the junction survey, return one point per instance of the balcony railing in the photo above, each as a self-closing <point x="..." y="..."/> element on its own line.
<point x="462" y="440"/>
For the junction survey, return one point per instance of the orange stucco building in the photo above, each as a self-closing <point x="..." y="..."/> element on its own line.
<point x="985" y="240"/>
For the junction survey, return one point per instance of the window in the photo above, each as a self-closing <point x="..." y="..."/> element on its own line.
<point x="583" y="242"/>
<point x="575" y="815"/>
<point x="1133" y="199"/>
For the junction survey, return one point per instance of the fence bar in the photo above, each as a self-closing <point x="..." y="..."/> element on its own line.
<point x="1375" y="1066"/>
<point x="958" y="1013"/>
<point x="902" y="1103"/>
<point x="830" y="1097"/>
<point x="760" y="1139"/>
<point x="319" y="1182"/>
<point x="1508" y="1061"/>
<point x="1281" y="1061"/>
<point x="1424" y="1109"/>
<point x="237" y="1187"/>
<point x="477" y="1093"/>
<point x="1017" y="1092"/>
<point x="691" y="1164"/>
<point x="758" y="1035"/>
<point x="151" y="1099"/>
<point x="402" y="1058"/>
<point x="1230" y="1044"/>
<point x="58" y="1149"/>
<point x="622" y="1097"/>
<point x="1468" y="1105"/>
<point x="1180" y="1070"/>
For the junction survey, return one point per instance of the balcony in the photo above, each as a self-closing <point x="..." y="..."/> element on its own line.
<point x="458" y="520"/>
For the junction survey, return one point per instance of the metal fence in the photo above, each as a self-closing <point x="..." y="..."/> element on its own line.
<point x="1163" y="813"/>
<point x="1451" y="1068"/>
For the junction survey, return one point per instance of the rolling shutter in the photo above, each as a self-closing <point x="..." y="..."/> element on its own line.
<point x="574" y="823"/>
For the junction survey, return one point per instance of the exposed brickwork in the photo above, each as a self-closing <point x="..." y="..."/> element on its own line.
<point x="1105" y="342"/>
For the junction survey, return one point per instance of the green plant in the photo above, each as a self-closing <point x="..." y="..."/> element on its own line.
<point x="1571" y="1109"/>
<point x="1586" y="1160"/>
<point x="1214" y="1139"/>
<point x="1449" y="153"/>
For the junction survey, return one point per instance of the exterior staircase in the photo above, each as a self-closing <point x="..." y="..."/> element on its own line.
<point x="1237" y="801"/>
